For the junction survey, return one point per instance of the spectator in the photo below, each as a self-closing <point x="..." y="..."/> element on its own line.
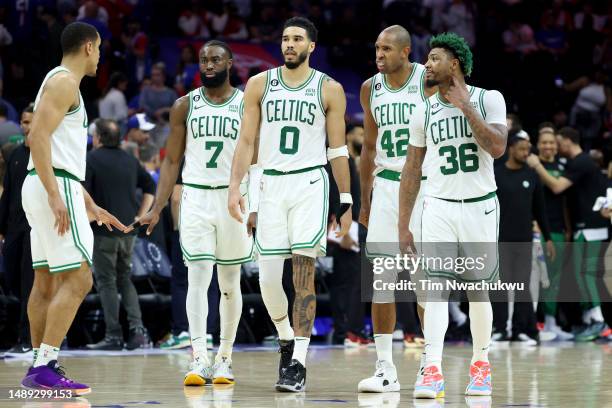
<point x="193" y="21"/>
<point x="111" y="179"/>
<point x="10" y="132"/>
<point x="267" y="25"/>
<point x="460" y="18"/>
<point x="113" y="105"/>
<point x="134" y="103"/>
<point x="354" y="140"/>
<point x="11" y="112"/>
<point x="597" y="21"/>
<point x="519" y="38"/>
<point x="587" y="113"/>
<point x="550" y="38"/>
<point x="93" y="14"/>
<point x="590" y="229"/>
<point x="15" y="233"/>
<point x="229" y="24"/>
<point x="137" y="57"/>
<point x="186" y="70"/>
<point x="419" y="42"/>
<point x="138" y="128"/>
<point x="149" y="158"/>
<point x="521" y="201"/>
<point x="157" y="99"/>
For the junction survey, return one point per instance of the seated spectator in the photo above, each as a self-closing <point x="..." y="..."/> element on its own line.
<point x="194" y="20"/>
<point x="112" y="178"/>
<point x="10" y="132"/>
<point x="149" y="158"/>
<point x="138" y="128"/>
<point x="113" y="105"/>
<point x="186" y="70"/>
<point x="134" y="103"/>
<point x="157" y="99"/>
<point x="519" y="38"/>
<point x="229" y="24"/>
<point x="549" y="37"/>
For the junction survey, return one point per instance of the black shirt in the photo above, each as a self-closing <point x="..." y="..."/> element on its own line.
<point x="111" y="179"/>
<point x="12" y="217"/>
<point x="554" y="202"/>
<point x="588" y="183"/>
<point x="521" y="200"/>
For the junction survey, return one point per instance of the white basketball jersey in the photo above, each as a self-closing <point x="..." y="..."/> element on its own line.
<point x="392" y="110"/>
<point x="212" y="134"/>
<point x="292" y="132"/>
<point x="458" y="168"/>
<point x="69" y="140"/>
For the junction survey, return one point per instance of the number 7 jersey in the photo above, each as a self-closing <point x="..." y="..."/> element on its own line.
<point x="458" y="167"/>
<point x="212" y="134"/>
<point x="292" y="131"/>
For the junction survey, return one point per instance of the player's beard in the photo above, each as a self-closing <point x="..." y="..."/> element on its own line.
<point x="431" y="82"/>
<point x="300" y="60"/>
<point x="216" y="81"/>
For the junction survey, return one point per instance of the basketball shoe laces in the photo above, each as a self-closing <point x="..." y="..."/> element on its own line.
<point x="479" y="374"/>
<point x="430" y="374"/>
<point x="61" y="371"/>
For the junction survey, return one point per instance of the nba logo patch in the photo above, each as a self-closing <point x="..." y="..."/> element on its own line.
<point x="377" y="86"/>
<point x="274" y="82"/>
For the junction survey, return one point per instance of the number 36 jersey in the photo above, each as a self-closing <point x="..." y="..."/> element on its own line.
<point x="212" y="134"/>
<point x="458" y="167"/>
<point x="292" y="131"/>
<point x="392" y="110"/>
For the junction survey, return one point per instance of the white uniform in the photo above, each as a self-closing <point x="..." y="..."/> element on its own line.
<point x="392" y="110"/>
<point x="460" y="205"/>
<point x="207" y="231"/>
<point x="68" y="158"/>
<point x="292" y="216"/>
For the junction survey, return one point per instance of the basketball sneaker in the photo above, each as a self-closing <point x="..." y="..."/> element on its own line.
<point x="200" y="373"/>
<point x="430" y="385"/>
<point x="285" y="348"/>
<point x="293" y="378"/>
<point x="353" y="340"/>
<point x="480" y="379"/>
<point x="383" y="380"/>
<point x="176" y="342"/>
<point x="413" y="341"/>
<point x="222" y="372"/>
<point x="139" y="338"/>
<point x="52" y="377"/>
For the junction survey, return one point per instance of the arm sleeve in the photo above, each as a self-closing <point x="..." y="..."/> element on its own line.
<point x="417" y="126"/>
<point x="494" y="107"/>
<point x="145" y="181"/>
<point x="539" y="208"/>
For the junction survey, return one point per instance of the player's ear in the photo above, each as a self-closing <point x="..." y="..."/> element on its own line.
<point x="312" y="47"/>
<point x="230" y="63"/>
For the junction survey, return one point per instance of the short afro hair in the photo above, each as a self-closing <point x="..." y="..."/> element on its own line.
<point x="217" y="43"/>
<point x="304" y="23"/>
<point x="457" y="46"/>
<point x="75" y="35"/>
<point x="569" y="133"/>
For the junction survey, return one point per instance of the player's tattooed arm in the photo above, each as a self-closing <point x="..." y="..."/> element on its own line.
<point x="305" y="303"/>
<point x="368" y="152"/>
<point x="410" y="183"/>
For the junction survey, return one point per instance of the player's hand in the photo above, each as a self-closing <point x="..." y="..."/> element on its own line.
<point x="235" y="204"/>
<point x="406" y="242"/>
<point x="364" y="215"/>
<point x="151" y="219"/>
<point x="251" y="223"/>
<point x="605" y="212"/>
<point x="533" y="161"/>
<point x="551" y="253"/>
<point x="346" y="220"/>
<point x="347" y="242"/>
<point x="62" y="218"/>
<point x="103" y="217"/>
<point x="457" y="95"/>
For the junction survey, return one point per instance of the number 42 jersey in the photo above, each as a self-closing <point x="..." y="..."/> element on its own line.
<point x="458" y="167"/>
<point x="212" y="135"/>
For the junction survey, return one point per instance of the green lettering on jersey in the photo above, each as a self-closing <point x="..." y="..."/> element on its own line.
<point x="400" y="147"/>
<point x="290" y="110"/>
<point x="462" y="158"/>
<point x="214" y="126"/>
<point x="446" y="129"/>
<point x="395" y="113"/>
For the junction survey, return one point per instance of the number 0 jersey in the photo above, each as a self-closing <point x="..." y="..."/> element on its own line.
<point x="392" y="110"/>
<point x="212" y="134"/>
<point x="458" y="168"/>
<point x="292" y="130"/>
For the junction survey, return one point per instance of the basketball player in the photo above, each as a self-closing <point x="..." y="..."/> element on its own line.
<point x="462" y="128"/>
<point x="388" y="100"/>
<point x="59" y="209"/>
<point x="205" y="128"/>
<point x="292" y="108"/>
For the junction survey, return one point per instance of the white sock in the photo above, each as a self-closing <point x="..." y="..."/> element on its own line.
<point x="586" y="316"/>
<point x="596" y="314"/>
<point x="481" y="325"/>
<point x="456" y="314"/>
<point x="422" y="363"/>
<point x="550" y="322"/>
<point x="384" y="347"/>
<point x="436" y="323"/>
<point x="274" y="297"/>
<point x="230" y="307"/>
<point x="46" y="353"/>
<point x="199" y="274"/>
<point x="300" y="349"/>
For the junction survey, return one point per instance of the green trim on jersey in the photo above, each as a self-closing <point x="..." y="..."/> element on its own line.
<point x="237" y="261"/>
<point x="299" y="87"/>
<point x="272" y="172"/>
<point x="427" y="108"/>
<point x="448" y="105"/>
<point x="241" y="109"/>
<point x="57" y="173"/>
<point x="220" y="105"/>
<point x="40" y="264"/>
<point x="320" y="93"/>
<point x="205" y="187"/>
<point x="189" y="96"/>
<point x="65" y="268"/>
<point x="59" y="69"/>
<point x="73" y="227"/>
<point x="422" y="87"/>
<point x="481" y="104"/>
<point x="372" y="84"/>
<point x="265" y="93"/>
<point x="471" y="200"/>
<point x="388" y="88"/>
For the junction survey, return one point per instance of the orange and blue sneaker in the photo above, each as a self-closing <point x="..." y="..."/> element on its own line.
<point x="430" y="385"/>
<point x="480" y="379"/>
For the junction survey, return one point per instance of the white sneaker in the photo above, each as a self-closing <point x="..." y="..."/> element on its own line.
<point x="383" y="380"/>
<point x="199" y="373"/>
<point x="526" y="340"/>
<point x="561" y="335"/>
<point x="222" y="372"/>
<point x="547" y="335"/>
